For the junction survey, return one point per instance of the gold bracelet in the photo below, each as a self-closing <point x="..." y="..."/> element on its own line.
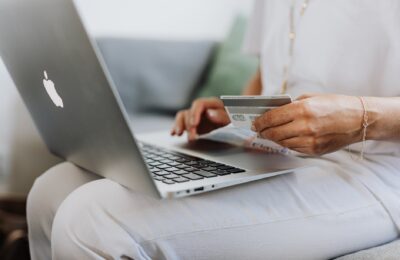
<point x="365" y="125"/>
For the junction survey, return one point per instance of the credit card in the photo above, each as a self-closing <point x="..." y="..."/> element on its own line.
<point x="243" y="110"/>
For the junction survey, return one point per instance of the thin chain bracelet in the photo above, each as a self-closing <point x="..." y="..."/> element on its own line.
<point x="365" y="126"/>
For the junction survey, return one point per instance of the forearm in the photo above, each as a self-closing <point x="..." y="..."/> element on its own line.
<point x="383" y="118"/>
<point x="255" y="85"/>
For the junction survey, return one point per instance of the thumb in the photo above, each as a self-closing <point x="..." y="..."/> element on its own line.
<point x="218" y="116"/>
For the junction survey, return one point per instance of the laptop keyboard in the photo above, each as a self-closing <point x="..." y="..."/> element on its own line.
<point x="173" y="167"/>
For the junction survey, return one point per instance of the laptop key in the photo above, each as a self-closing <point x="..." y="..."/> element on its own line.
<point x="214" y="164"/>
<point x="190" y="163"/>
<point x="193" y="176"/>
<point x="163" y="166"/>
<point x="225" y="167"/>
<point x="181" y="172"/>
<point x="221" y="172"/>
<point x="171" y="169"/>
<point x="174" y="164"/>
<point x="181" y="179"/>
<point x="190" y="169"/>
<point x="171" y="176"/>
<point x="209" y="169"/>
<point x="158" y="178"/>
<point x="162" y="173"/>
<point x="199" y="166"/>
<point x="154" y="163"/>
<point x="166" y="161"/>
<point x="168" y="181"/>
<point x="181" y="166"/>
<point x="181" y="160"/>
<point x="205" y="174"/>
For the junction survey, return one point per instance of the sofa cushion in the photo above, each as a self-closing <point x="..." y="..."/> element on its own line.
<point x="153" y="74"/>
<point x="231" y="69"/>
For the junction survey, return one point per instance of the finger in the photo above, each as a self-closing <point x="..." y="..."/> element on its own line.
<point x="192" y="134"/>
<point x="200" y="105"/>
<point x="191" y="131"/>
<point x="286" y="131"/>
<point x="218" y="116"/>
<point x="175" y="125"/>
<point x="186" y="121"/>
<point x="179" y="126"/>
<point x="276" y="117"/>
<point x="298" y="142"/>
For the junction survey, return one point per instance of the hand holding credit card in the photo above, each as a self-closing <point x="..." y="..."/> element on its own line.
<point x="243" y="110"/>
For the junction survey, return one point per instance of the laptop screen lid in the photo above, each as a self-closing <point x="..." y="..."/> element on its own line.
<point x="68" y="91"/>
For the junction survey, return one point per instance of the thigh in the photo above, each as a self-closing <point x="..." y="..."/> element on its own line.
<point x="53" y="186"/>
<point x="45" y="197"/>
<point x="315" y="213"/>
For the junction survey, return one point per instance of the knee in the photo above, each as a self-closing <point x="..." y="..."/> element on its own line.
<point x="49" y="191"/>
<point x="41" y="204"/>
<point x="86" y="227"/>
<point x="70" y="225"/>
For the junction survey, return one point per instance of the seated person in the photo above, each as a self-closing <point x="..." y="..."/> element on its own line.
<point x="342" y="205"/>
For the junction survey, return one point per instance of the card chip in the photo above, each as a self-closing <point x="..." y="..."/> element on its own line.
<point x="237" y="117"/>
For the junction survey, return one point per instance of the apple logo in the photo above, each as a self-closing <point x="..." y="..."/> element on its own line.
<point x="51" y="90"/>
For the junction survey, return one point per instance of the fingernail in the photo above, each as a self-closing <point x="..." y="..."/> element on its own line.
<point x="192" y="134"/>
<point x="212" y="113"/>
<point x="179" y="131"/>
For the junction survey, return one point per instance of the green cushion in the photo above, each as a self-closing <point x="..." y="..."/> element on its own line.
<point x="231" y="69"/>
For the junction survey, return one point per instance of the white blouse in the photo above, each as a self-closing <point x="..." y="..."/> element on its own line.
<point x="349" y="47"/>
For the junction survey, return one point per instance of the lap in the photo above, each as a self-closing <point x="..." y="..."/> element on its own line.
<point x="316" y="213"/>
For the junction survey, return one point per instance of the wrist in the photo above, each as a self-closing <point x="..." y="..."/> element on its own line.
<point x="365" y="117"/>
<point x="374" y="131"/>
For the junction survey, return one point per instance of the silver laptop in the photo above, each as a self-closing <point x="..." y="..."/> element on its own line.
<point x="74" y="104"/>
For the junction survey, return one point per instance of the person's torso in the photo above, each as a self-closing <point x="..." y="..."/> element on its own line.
<point x="344" y="46"/>
<point x="349" y="47"/>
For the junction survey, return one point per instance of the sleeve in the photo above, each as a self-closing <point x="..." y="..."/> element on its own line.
<point x="254" y="35"/>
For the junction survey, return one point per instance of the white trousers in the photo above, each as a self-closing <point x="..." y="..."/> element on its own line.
<point x="340" y="206"/>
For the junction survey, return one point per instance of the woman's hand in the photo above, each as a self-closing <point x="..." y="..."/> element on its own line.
<point x="314" y="124"/>
<point x="205" y="115"/>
